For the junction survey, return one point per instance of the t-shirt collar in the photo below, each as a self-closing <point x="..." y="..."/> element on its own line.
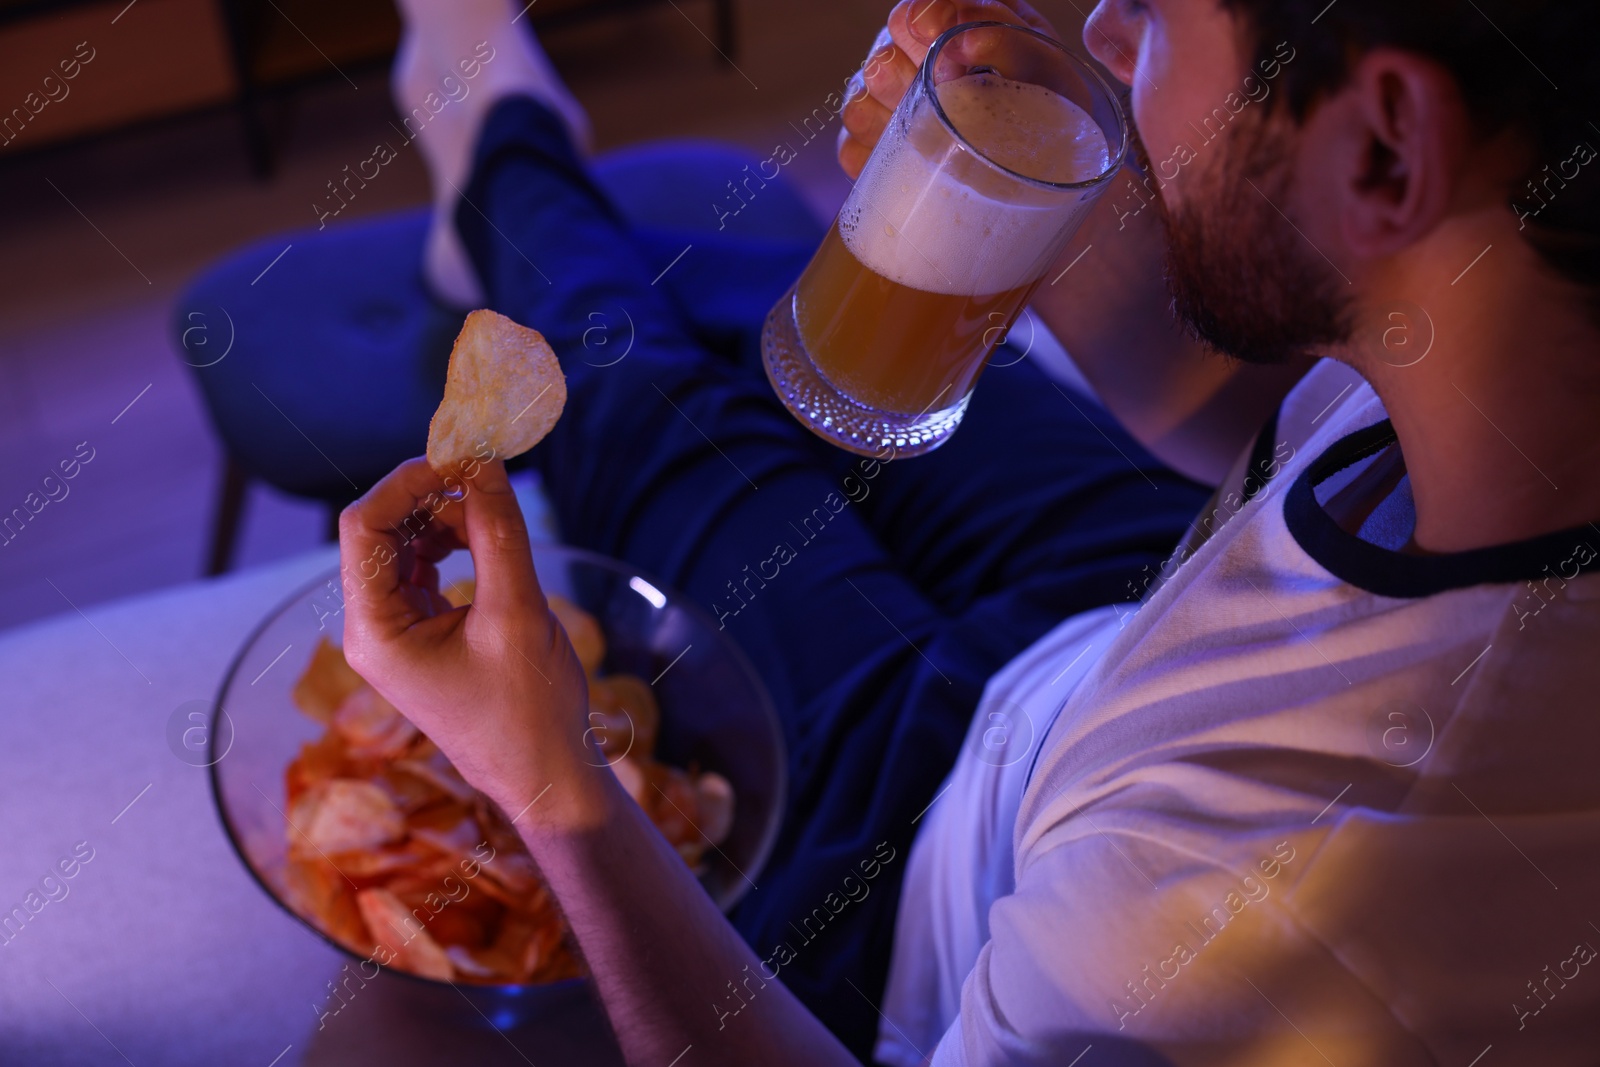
<point x="1562" y="555"/>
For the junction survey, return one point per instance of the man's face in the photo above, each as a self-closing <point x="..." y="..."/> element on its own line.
<point x="1223" y="155"/>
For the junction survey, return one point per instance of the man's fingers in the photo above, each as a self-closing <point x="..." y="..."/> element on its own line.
<point x="888" y="74"/>
<point x="865" y="119"/>
<point x="852" y="155"/>
<point x="406" y="516"/>
<point x="897" y="54"/>
<point x="390" y="539"/>
<point x="502" y="559"/>
<point x="916" y="24"/>
<point x="870" y="98"/>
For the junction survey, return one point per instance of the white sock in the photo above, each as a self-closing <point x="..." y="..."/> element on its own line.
<point x="457" y="58"/>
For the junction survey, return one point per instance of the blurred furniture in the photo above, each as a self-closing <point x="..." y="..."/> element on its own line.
<point x="158" y="58"/>
<point x="322" y="374"/>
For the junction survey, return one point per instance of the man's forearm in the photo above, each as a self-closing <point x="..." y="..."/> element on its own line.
<point x="670" y="969"/>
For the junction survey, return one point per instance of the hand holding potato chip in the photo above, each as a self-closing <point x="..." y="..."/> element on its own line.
<point x="498" y="681"/>
<point x="496" y="684"/>
<point x="503" y="685"/>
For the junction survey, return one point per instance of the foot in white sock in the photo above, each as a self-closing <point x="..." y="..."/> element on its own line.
<point x="456" y="59"/>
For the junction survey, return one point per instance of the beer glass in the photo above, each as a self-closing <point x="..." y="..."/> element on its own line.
<point x="992" y="158"/>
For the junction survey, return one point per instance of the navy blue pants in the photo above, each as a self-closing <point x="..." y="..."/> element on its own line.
<point x="900" y="587"/>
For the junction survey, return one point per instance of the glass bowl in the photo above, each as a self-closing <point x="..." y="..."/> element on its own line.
<point x="715" y="714"/>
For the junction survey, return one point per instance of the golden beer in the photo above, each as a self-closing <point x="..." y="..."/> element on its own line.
<point x="974" y="189"/>
<point x="889" y="346"/>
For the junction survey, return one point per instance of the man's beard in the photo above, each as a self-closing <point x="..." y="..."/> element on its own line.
<point x="1243" y="279"/>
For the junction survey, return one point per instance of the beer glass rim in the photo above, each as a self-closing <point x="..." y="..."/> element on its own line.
<point x="1089" y="74"/>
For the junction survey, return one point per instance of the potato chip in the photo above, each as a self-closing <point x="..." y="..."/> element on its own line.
<point x="426" y="876"/>
<point x="468" y="965"/>
<point x="319" y="761"/>
<point x="411" y="793"/>
<point x="692" y="853"/>
<point x="315" y="888"/>
<point x="633" y="781"/>
<point x="503" y="393"/>
<point x="408" y="944"/>
<point x="457" y="842"/>
<point x="497" y="828"/>
<point x="516" y="871"/>
<point x="450" y="912"/>
<point x="371" y="726"/>
<point x="715" y="798"/>
<point x="530" y="948"/>
<point x="437" y="771"/>
<point x="342" y="815"/>
<point x="583" y="630"/>
<point x="327" y="681"/>
<point x="497" y="892"/>
<point x="628" y="715"/>
<point x="672" y="804"/>
<point x="360" y="865"/>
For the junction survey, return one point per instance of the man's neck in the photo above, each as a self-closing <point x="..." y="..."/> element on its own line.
<point x="1500" y="422"/>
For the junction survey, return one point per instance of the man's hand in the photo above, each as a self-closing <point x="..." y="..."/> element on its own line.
<point x="496" y="685"/>
<point x="498" y="688"/>
<point x="897" y="54"/>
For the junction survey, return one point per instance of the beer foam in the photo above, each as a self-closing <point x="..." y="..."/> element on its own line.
<point x="912" y="219"/>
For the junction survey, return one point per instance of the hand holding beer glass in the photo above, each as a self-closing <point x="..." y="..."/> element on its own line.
<point x="989" y="163"/>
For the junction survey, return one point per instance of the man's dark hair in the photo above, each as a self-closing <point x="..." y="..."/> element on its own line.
<point x="1529" y="65"/>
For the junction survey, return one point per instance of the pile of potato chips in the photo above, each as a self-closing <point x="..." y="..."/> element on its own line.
<point x="393" y="855"/>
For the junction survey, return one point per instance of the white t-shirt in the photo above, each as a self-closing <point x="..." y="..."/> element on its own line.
<point x="1314" y="801"/>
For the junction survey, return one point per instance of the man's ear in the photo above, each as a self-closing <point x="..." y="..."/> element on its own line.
<point x="1409" y="138"/>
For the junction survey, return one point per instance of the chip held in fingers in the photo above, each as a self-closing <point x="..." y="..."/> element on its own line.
<point x="503" y="393"/>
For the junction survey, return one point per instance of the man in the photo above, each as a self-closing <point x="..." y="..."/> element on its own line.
<point x="1327" y="793"/>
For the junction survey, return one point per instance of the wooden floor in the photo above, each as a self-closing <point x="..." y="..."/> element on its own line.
<point x="96" y="240"/>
